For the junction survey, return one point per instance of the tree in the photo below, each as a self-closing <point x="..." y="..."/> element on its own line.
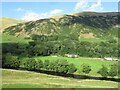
<point x="113" y="70"/>
<point x="119" y="68"/>
<point x="39" y="64"/>
<point x="71" y="68"/>
<point x="40" y="49"/>
<point x="52" y="65"/>
<point x="46" y="64"/>
<point x="103" y="71"/>
<point x="62" y="66"/>
<point x="86" y="68"/>
<point x="30" y="64"/>
<point x="11" y="61"/>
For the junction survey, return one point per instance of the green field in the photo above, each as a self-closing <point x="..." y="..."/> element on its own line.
<point x="26" y="79"/>
<point x="13" y="39"/>
<point x="93" y="62"/>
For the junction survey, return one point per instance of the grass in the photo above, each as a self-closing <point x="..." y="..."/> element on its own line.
<point x="26" y="79"/>
<point x="94" y="40"/>
<point x="93" y="62"/>
<point x="13" y="39"/>
<point x="6" y="22"/>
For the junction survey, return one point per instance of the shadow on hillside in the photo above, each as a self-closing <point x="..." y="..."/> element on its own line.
<point x="75" y="76"/>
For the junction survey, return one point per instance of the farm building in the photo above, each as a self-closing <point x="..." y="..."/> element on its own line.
<point x="71" y="55"/>
<point x="111" y="59"/>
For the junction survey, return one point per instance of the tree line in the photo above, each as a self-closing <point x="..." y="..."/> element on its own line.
<point x="42" y="45"/>
<point x="58" y="66"/>
<point x="60" y="45"/>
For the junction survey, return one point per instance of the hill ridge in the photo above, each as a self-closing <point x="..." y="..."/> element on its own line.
<point x="85" y="22"/>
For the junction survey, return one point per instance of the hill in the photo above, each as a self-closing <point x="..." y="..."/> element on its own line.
<point x="82" y="24"/>
<point x="6" y="22"/>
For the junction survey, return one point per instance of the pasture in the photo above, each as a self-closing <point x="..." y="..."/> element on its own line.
<point x="27" y="79"/>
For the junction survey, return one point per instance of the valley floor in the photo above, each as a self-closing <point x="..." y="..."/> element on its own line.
<point x="27" y="79"/>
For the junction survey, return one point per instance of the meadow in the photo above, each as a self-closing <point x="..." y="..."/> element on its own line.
<point x="27" y="79"/>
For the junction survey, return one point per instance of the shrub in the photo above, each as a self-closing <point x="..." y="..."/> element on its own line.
<point x="62" y="66"/>
<point x="39" y="64"/>
<point x="52" y="65"/>
<point x="46" y="64"/>
<point x="119" y="68"/>
<point x="103" y="71"/>
<point x="113" y="70"/>
<point x="11" y="61"/>
<point x="86" y="68"/>
<point x="30" y="64"/>
<point x="71" y="68"/>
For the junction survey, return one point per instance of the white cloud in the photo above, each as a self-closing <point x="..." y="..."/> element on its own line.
<point x="56" y="11"/>
<point x="81" y="4"/>
<point x="29" y="16"/>
<point x="19" y="9"/>
<point x="95" y="7"/>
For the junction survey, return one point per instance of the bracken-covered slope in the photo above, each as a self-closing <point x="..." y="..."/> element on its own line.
<point x="83" y="24"/>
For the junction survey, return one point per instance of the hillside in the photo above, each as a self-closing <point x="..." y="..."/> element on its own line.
<point x="83" y="24"/>
<point x="6" y="22"/>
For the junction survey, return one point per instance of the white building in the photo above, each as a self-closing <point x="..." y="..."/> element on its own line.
<point x="71" y="55"/>
<point x="109" y="58"/>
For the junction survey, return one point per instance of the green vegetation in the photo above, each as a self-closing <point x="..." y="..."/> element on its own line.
<point x="58" y="66"/>
<point x="13" y="39"/>
<point x="103" y="71"/>
<point x="94" y="40"/>
<point x="93" y="62"/>
<point x="94" y="25"/>
<point x="86" y="68"/>
<point x="10" y="61"/>
<point x="69" y="35"/>
<point x="71" y="68"/>
<point x="43" y="45"/>
<point x="27" y="79"/>
<point x="31" y="64"/>
<point x="39" y="64"/>
<point x="113" y="70"/>
<point x="70" y="45"/>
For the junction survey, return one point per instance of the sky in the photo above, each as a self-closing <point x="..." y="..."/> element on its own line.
<point x="39" y="10"/>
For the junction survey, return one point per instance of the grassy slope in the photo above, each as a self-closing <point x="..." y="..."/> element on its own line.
<point x="94" y="40"/>
<point x="94" y="63"/>
<point x="8" y="22"/>
<point x="26" y="79"/>
<point x="13" y="39"/>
